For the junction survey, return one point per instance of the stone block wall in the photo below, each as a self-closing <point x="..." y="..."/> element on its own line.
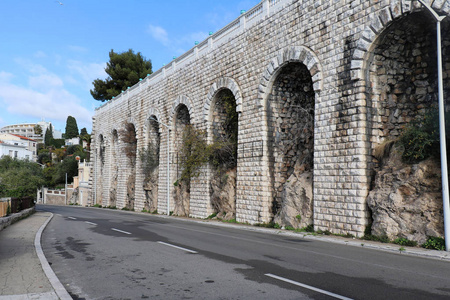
<point x="335" y="40"/>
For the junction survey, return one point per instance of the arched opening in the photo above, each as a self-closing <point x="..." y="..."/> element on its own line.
<point x="129" y="140"/>
<point x="181" y="130"/>
<point x="102" y="157"/>
<point x="405" y="198"/>
<point x="150" y="163"/>
<point x="114" y="169"/>
<point x="224" y="131"/>
<point x="291" y="145"/>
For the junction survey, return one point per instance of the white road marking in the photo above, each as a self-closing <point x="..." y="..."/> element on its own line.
<point x="90" y="223"/>
<point x="308" y="287"/>
<point x="181" y="248"/>
<point x="72" y="218"/>
<point x="118" y="230"/>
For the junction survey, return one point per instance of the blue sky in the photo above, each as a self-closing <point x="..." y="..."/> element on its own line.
<point x="50" y="53"/>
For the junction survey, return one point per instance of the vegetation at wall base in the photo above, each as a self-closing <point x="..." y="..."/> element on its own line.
<point x="405" y="242"/>
<point x="435" y="243"/>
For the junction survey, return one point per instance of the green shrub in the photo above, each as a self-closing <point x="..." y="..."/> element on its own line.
<point x="97" y="205"/>
<point x="382" y="239"/>
<point x="309" y="228"/>
<point x="211" y="216"/>
<point x="435" y="243"/>
<point x="420" y="139"/>
<point x="405" y="242"/>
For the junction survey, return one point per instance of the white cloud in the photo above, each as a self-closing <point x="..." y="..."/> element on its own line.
<point x="78" y="49"/>
<point x="179" y="45"/>
<point x="54" y="104"/>
<point x="40" y="54"/>
<point x="5" y="76"/>
<point x="87" y="72"/>
<point x="159" y="34"/>
<point x="45" y="81"/>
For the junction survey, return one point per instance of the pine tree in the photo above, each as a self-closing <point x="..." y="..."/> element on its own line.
<point x="124" y="70"/>
<point x="48" y="136"/>
<point x="71" y="128"/>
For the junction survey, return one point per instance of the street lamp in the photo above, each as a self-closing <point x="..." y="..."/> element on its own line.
<point x="168" y="162"/>
<point x="445" y="196"/>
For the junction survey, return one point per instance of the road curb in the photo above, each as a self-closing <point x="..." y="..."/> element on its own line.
<point x="56" y="284"/>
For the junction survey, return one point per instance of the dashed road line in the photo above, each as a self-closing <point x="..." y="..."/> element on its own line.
<point x="121" y="231"/>
<point x="180" y="248"/>
<point x="90" y="223"/>
<point x="308" y="287"/>
<point x="72" y="218"/>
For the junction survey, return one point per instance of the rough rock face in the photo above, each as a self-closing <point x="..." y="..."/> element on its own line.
<point x="131" y="187"/>
<point x="151" y="192"/>
<point x="224" y="195"/>
<point x="406" y="200"/>
<point x="113" y="191"/>
<point x="297" y="200"/>
<point x="181" y="200"/>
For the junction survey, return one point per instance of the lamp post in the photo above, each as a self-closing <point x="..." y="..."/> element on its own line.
<point x="168" y="162"/>
<point x="445" y="195"/>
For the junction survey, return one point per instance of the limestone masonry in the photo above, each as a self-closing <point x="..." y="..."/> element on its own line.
<point x="317" y="85"/>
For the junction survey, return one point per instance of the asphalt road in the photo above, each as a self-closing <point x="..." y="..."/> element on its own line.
<point x="105" y="254"/>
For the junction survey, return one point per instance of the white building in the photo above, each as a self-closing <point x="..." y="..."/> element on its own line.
<point x="72" y="141"/>
<point x="15" y="151"/>
<point x="18" y="140"/>
<point x="27" y="130"/>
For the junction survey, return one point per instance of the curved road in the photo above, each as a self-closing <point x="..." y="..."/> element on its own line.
<point x="106" y="254"/>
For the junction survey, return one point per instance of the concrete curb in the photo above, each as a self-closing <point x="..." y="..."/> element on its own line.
<point x="56" y="284"/>
<point x="7" y="221"/>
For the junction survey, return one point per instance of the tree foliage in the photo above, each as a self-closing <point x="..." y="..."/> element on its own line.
<point x="48" y="135"/>
<point x="38" y="129"/>
<point x="19" y="178"/>
<point x="71" y="128"/>
<point x="124" y="70"/>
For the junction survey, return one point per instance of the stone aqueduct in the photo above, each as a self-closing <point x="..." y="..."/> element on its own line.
<point x="366" y="68"/>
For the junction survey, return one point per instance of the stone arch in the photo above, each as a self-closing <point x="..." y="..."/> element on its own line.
<point x="128" y="137"/>
<point x="181" y="100"/>
<point x="101" y="142"/>
<point x="222" y="128"/>
<point x="396" y="63"/>
<point x="220" y="84"/>
<point x="380" y="21"/>
<point x="299" y="54"/>
<point x="150" y="158"/>
<point x="290" y="109"/>
<point x="115" y="152"/>
<point x="156" y="114"/>
<point x="181" y="120"/>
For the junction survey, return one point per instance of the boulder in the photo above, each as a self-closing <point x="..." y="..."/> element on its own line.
<point x="406" y="200"/>
<point x="223" y="196"/>
<point x="297" y="200"/>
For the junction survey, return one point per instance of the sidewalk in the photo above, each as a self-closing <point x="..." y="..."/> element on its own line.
<point x="21" y="273"/>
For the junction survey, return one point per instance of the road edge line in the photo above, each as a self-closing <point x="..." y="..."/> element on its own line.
<point x="51" y="276"/>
